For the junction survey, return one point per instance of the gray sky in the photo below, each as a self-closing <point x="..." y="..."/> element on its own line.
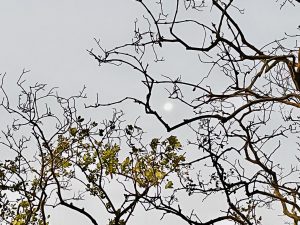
<point x="50" y="38"/>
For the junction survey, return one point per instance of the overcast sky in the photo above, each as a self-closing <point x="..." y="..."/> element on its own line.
<point x="50" y="38"/>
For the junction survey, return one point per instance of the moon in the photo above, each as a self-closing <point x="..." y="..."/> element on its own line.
<point x="168" y="106"/>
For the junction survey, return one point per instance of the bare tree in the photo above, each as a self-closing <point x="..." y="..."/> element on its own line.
<point x="246" y="126"/>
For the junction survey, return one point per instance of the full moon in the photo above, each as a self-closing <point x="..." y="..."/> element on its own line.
<point x="168" y="106"/>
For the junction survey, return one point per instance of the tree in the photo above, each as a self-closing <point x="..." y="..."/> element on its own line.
<point x="77" y="154"/>
<point x="59" y="157"/>
<point x="237" y="136"/>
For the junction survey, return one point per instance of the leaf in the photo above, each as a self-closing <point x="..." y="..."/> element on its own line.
<point x="174" y="143"/>
<point x="80" y="119"/>
<point x="169" y="185"/>
<point x="154" y="143"/>
<point x="84" y="133"/>
<point x="66" y="163"/>
<point x="24" y="204"/>
<point x="149" y="174"/>
<point x="94" y="124"/>
<point x="125" y="164"/>
<point x="17" y="222"/>
<point x="128" y="132"/>
<point x="101" y="132"/>
<point x="73" y="131"/>
<point x="159" y="175"/>
<point x="86" y="158"/>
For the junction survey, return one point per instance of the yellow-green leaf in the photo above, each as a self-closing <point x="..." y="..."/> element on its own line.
<point x="169" y="185"/>
<point x="24" y="204"/>
<point x="73" y="131"/>
<point x="66" y="163"/>
<point x="174" y="143"/>
<point x="125" y="164"/>
<point x="159" y="175"/>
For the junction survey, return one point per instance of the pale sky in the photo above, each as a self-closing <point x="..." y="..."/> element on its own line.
<point x="50" y="38"/>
